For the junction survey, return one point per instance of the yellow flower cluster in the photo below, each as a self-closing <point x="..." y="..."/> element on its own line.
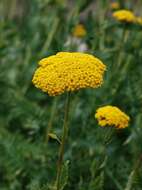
<point x="127" y="16"/>
<point x="124" y="16"/>
<point x="112" y="116"/>
<point x="79" y="31"/>
<point x="115" y="5"/>
<point x="68" y="72"/>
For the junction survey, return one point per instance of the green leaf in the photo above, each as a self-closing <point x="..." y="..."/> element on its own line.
<point x="64" y="175"/>
<point x="54" y="136"/>
<point x="98" y="182"/>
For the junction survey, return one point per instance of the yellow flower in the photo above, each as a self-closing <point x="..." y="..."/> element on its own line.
<point x="112" y="116"/>
<point x="115" y="5"/>
<point x="68" y="72"/>
<point x="124" y="16"/>
<point x="79" y="31"/>
<point x="139" y="20"/>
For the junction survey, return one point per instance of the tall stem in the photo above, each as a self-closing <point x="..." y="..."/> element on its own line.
<point x="63" y="140"/>
<point x="125" y="35"/>
<point x="51" y="119"/>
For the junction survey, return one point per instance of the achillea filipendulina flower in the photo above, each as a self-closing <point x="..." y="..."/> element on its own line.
<point x="139" y="20"/>
<point x="68" y="72"/>
<point x="115" y="5"/>
<point x="124" y="16"/>
<point x="79" y="31"/>
<point x="112" y="116"/>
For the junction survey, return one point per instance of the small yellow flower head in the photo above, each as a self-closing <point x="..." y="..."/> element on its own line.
<point x="124" y="16"/>
<point x="112" y="116"/>
<point x="115" y="5"/>
<point x="139" y="20"/>
<point x="68" y="72"/>
<point x="79" y="31"/>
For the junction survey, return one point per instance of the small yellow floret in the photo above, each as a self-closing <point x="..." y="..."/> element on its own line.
<point x="112" y="116"/>
<point x="79" y="31"/>
<point x="115" y="5"/>
<point x="124" y="16"/>
<point x="68" y="72"/>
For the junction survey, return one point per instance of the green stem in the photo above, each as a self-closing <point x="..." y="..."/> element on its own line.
<point x="102" y="29"/>
<point x="62" y="146"/>
<point x="125" y="35"/>
<point x="50" y="36"/>
<point x="121" y="58"/>
<point x="109" y="131"/>
<point x="50" y="124"/>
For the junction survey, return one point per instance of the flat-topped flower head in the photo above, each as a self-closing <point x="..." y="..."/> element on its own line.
<point x="79" y="31"/>
<point x="112" y="116"/>
<point x="68" y="72"/>
<point x="124" y="16"/>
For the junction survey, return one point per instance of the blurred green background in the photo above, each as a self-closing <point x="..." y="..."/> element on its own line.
<point x="33" y="29"/>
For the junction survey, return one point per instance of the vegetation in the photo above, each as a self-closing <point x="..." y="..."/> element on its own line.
<point x="95" y="157"/>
